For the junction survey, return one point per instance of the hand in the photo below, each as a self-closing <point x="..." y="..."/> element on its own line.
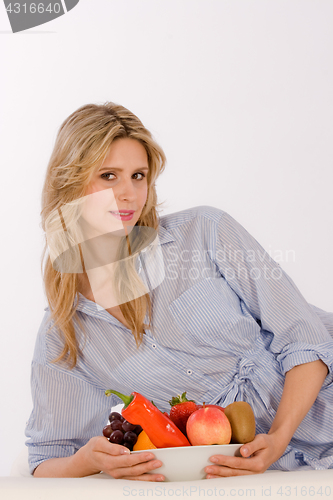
<point x="263" y="451"/>
<point x="113" y="459"/>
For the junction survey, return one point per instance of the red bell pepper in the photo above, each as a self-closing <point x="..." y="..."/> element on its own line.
<point x="162" y="432"/>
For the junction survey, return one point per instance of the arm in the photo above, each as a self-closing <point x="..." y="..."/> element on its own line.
<point x="67" y="443"/>
<point x="63" y="467"/>
<point x="77" y="465"/>
<point x="286" y="318"/>
<point x="301" y="387"/>
<point x="100" y="455"/>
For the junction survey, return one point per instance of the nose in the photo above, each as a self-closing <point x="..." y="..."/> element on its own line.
<point x="125" y="190"/>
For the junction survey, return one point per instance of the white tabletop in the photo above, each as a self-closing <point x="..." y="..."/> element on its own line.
<point x="275" y="485"/>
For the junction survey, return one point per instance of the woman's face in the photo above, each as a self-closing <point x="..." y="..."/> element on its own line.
<point x="118" y="191"/>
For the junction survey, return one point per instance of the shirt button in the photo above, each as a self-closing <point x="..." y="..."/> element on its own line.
<point x="189" y="372"/>
<point x="154" y="346"/>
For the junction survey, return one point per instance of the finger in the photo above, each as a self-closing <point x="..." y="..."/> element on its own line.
<point x="103" y="445"/>
<point x="125" y="462"/>
<point x="231" y="462"/>
<point x="124" y="455"/>
<point x="254" y="465"/>
<point x="146" y="477"/>
<point x="258" y="443"/>
<point x="243" y="467"/>
<point x="219" y="471"/>
<point x="248" y="451"/>
<point x="143" y="468"/>
<point x="129" y="460"/>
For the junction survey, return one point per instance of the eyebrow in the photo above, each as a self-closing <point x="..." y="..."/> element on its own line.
<point x="121" y="169"/>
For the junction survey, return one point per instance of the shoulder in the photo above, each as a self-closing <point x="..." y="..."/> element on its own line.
<point x="205" y="223"/>
<point x="49" y="341"/>
<point x="191" y="216"/>
<point x="39" y="355"/>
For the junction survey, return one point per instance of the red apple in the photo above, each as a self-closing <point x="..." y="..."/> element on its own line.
<point x="208" y="425"/>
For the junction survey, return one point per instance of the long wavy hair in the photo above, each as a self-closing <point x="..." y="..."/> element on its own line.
<point x="81" y="146"/>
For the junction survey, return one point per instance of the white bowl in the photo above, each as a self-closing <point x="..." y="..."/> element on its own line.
<point x="187" y="463"/>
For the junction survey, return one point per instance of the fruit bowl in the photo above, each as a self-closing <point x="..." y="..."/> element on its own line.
<point x="187" y="463"/>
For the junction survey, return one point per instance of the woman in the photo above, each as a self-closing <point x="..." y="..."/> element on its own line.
<point x="189" y="301"/>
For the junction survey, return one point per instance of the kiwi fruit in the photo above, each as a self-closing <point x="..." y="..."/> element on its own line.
<point x="242" y="421"/>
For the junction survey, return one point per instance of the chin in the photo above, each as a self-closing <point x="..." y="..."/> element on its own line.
<point x="127" y="229"/>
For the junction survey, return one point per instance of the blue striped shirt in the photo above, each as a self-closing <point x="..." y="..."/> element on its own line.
<point x="227" y="324"/>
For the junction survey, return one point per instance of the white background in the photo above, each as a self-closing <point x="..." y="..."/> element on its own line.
<point x="238" y="93"/>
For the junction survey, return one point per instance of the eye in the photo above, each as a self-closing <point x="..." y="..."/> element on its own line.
<point x="106" y="176"/>
<point x="139" y="173"/>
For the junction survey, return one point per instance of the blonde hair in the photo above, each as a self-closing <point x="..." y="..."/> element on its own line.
<point x="81" y="146"/>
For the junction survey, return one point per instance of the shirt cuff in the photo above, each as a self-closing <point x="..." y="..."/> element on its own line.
<point x="38" y="454"/>
<point x="299" y="353"/>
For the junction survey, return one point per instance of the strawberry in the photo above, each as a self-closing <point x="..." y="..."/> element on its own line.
<point x="181" y="409"/>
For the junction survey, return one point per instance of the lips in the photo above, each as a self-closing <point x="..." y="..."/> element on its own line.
<point x="123" y="214"/>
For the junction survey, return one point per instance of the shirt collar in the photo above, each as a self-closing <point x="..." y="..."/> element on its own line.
<point x="164" y="235"/>
<point x="92" y="309"/>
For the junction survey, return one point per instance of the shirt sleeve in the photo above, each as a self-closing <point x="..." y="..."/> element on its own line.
<point x="296" y="332"/>
<point x="67" y="411"/>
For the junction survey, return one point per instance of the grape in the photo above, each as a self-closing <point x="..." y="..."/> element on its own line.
<point x="107" y="431"/>
<point x="127" y="426"/>
<point x="120" y="431"/>
<point x="138" y="429"/>
<point x="115" y="416"/>
<point x="116" y="437"/>
<point x="130" y="437"/>
<point x="116" y="425"/>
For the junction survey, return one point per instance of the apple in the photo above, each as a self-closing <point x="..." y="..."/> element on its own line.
<point x="210" y="406"/>
<point x="208" y="425"/>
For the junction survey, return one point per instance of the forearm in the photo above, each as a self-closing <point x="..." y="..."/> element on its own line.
<point x="301" y="388"/>
<point x="74" y="466"/>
